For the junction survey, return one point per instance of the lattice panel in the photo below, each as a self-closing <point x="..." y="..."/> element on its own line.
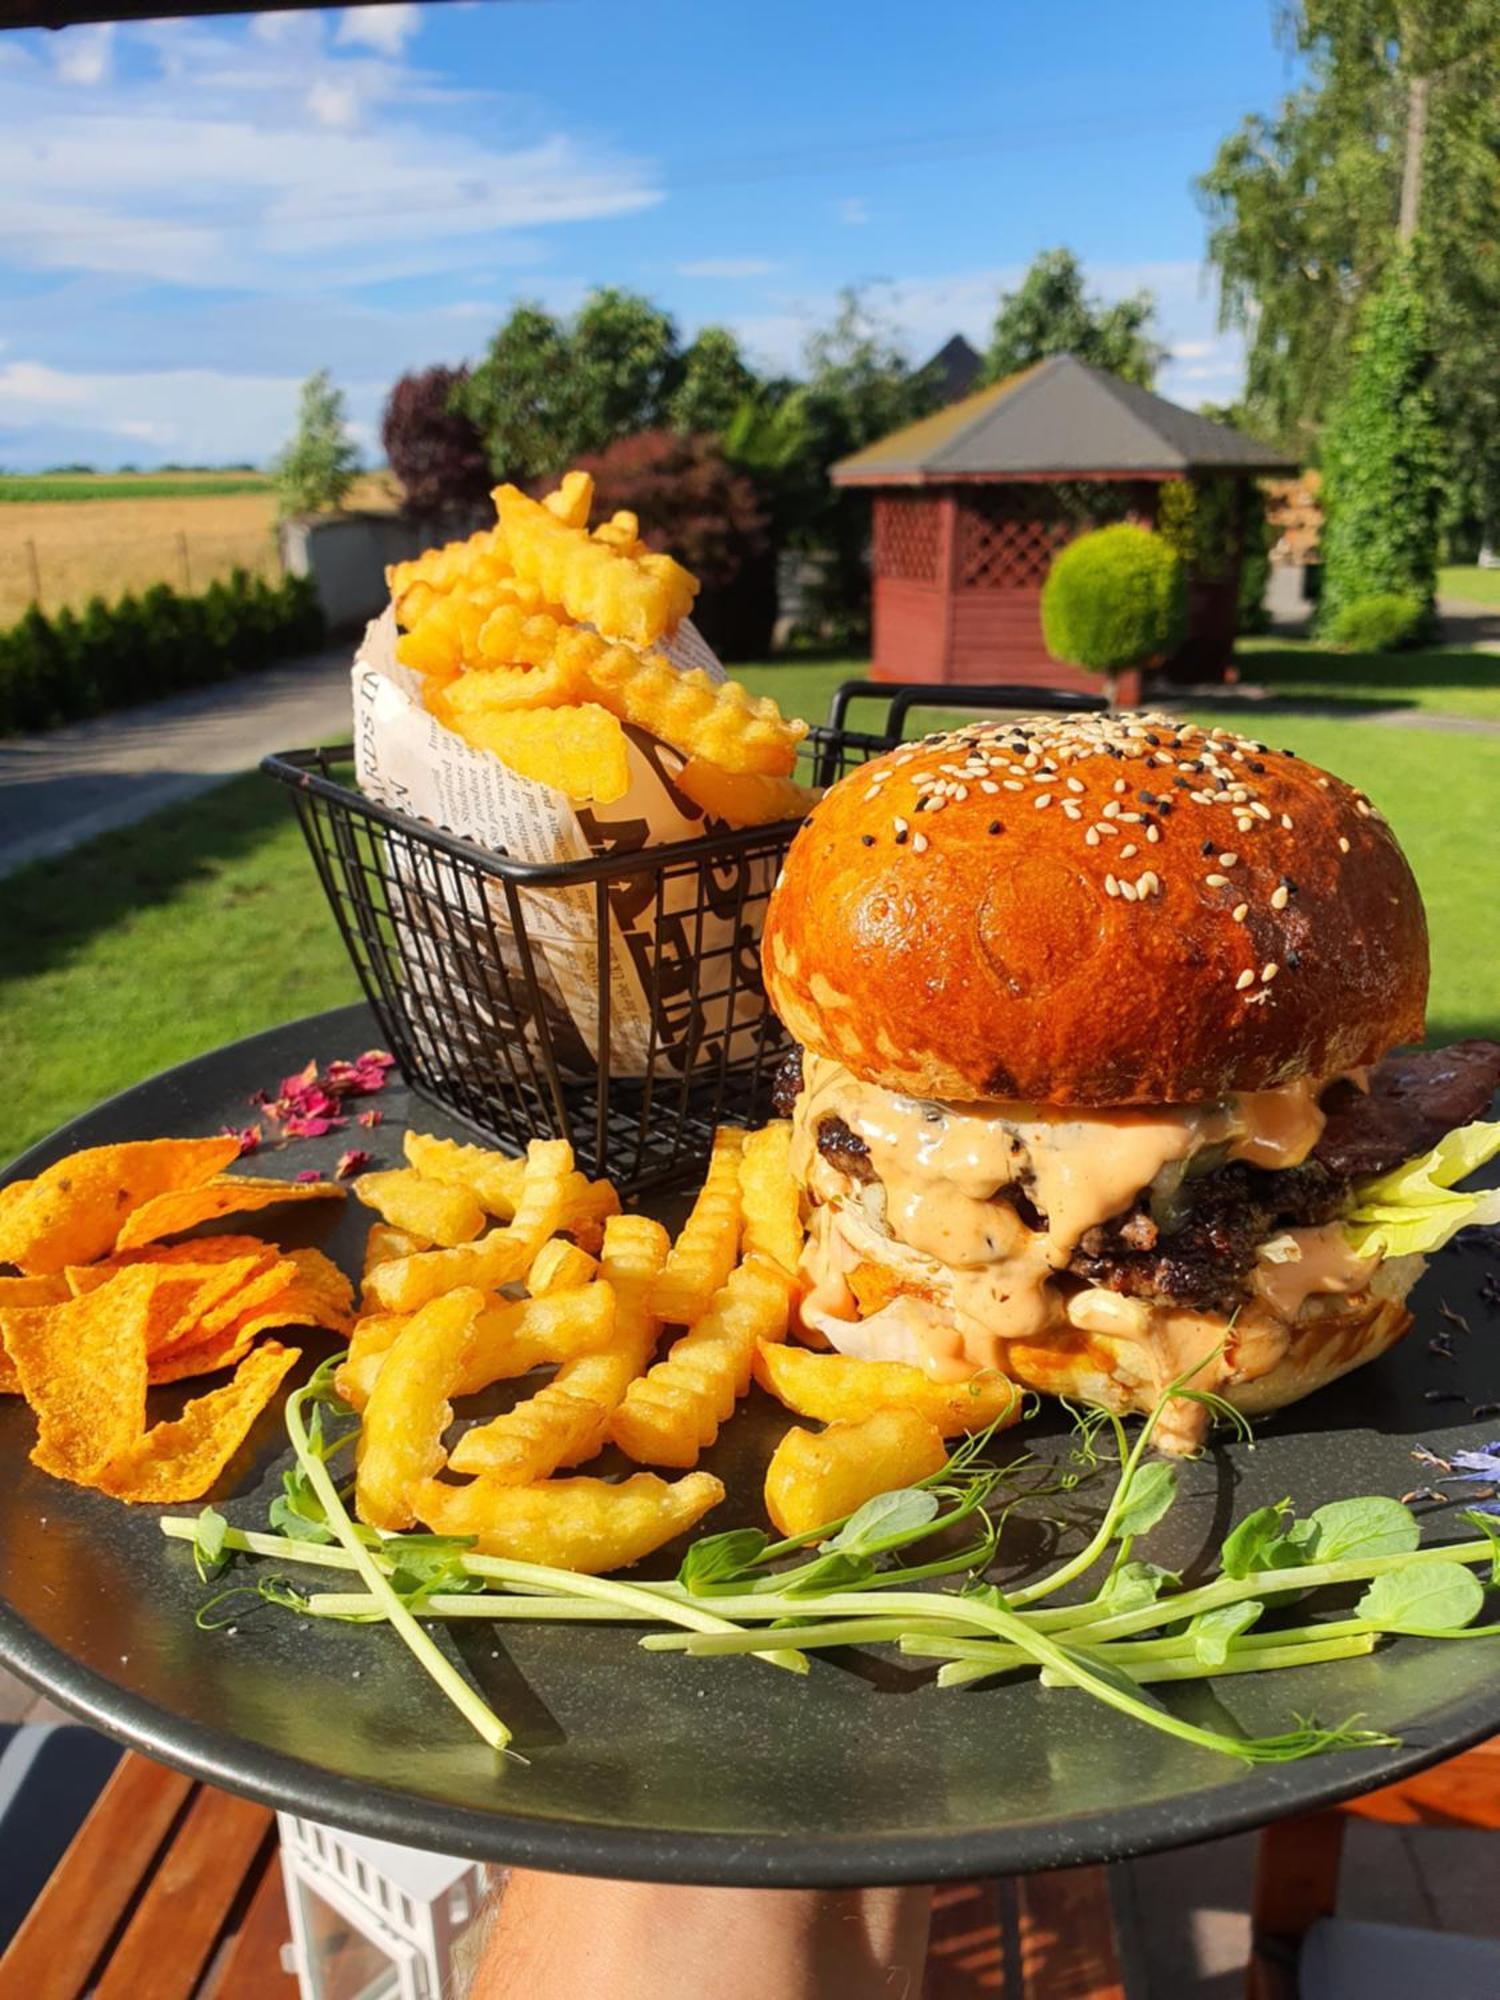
<point x="1009" y="535"/>
<point x="906" y="539"/>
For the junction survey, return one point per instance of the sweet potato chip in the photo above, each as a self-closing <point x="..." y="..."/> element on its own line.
<point x="74" y="1211"/>
<point x="231" y="1194"/>
<point x="83" y="1371"/>
<point x="180" y="1461"/>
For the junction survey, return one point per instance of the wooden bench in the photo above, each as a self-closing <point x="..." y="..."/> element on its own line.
<point x="170" y="1889"/>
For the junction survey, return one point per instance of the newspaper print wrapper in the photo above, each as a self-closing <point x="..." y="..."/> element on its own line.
<point x="674" y="940"/>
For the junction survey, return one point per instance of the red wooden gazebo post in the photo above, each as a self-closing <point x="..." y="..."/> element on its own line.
<point x="947" y="569"/>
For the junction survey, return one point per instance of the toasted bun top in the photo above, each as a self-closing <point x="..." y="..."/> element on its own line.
<point x="1095" y="910"/>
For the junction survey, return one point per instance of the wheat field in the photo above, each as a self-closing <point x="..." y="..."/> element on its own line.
<point x="63" y="552"/>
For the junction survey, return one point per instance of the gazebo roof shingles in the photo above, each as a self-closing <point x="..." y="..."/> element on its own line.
<point x="1060" y="419"/>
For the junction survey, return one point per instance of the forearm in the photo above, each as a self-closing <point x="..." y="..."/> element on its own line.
<point x="558" y="1937"/>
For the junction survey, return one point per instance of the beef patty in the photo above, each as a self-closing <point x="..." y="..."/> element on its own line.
<point x="1205" y="1258"/>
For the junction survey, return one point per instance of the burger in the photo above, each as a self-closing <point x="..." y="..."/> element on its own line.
<point x="1095" y="1082"/>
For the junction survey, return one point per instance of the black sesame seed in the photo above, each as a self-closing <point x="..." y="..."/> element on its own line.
<point x="1164" y="807"/>
<point x="1257" y="768"/>
<point x="868" y="839"/>
<point x="1147" y="798"/>
<point x="1291" y="960"/>
<point x="1183" y="784"/>
<point x="901" y="837"/>
<point x="994" y="826"/>
<point x="1207" y="847"/>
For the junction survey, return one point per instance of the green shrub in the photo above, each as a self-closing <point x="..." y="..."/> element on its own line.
<point x="1380" y="623"/>
<point x="62" y="668"/>
<point x="1114" y="599"/>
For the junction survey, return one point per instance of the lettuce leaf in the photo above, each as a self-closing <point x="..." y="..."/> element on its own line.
<point x="1416" y="1208"/>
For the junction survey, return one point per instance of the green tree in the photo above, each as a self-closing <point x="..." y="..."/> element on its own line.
<point x="1395" y="137"/>
<point x="713" y="383"/>
<point x="1383" y="457"/>
<point x="1113" y="600"/>
<point x="626" y="362"/>
<point x="318" y="466"/>
<point x="1051" y="313"/>
<point x="548" y="392"/>
<point x="521" y="397"/>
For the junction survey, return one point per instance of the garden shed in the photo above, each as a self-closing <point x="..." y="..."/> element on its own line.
<point x="972" y="504"/>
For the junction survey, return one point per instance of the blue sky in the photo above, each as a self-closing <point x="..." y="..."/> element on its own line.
<point x="199" y="213"/>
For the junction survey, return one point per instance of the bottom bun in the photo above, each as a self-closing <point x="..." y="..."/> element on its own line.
<point x="1257" y="1364"/>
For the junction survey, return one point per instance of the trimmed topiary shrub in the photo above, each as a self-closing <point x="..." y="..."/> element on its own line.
<point x="1114" y="599"/>
<point x="1380" y="623"/>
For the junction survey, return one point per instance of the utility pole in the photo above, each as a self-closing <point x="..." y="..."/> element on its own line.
<point x="1411" y="175"/>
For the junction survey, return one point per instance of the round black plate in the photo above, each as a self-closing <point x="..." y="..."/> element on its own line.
<point x="666" y="1768"/>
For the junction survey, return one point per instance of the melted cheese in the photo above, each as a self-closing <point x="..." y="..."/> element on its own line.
<point x="1301" y="1262"/>
<point x="982" y="1270"/>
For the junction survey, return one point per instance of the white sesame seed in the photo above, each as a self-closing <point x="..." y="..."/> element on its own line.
<point x="1107" y="826"/>
<point x="1362" y="807"/>
<point x="1073" y="812"/>
<point x="1228" y="860"/>
<point x="1343" y="845"/>
<point x="1324" y="782"/>
<point x="1246" y="978"/>
<point x="1111" y="886"/>
<point x="1042" y="799"/>
<point x="900" y="825"/>
<point x="1127" y="890"/>
<point x="1268" y="972"/>
<point x="959" y="794"/>
<point x="1286" y="821"/>
<point x="1119" y="784"/>
<point x="935" y="804"/>
<point x="1112" y="810"/>
<point x="919" y="843"/>
<point x="1075" y="784"/>
<point x="1147" y="884"/>
<point x="1280" y="897"/>
<point x="1014" y="785"/>
<point x="1128" y="849"/>
<point x="1153" y="834"/>
<point x="988" y="785"/>
<point x="1216" y="881"/>
<point x="1091" y="838"/>
<point x="1240" y="912"/>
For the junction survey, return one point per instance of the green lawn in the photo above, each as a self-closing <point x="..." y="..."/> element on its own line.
<point x="128" y="486"/>
<point x="1473" y="584"/>
<point x="1456" y="682"/>
<point x="206" y="922"/>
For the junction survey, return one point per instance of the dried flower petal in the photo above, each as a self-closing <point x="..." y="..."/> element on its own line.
<point x="351" y="1163"/>
<point x="371" y="1118"/>
<point x="249" y="1137"/>
<point x="308" y="1174"/>
<point x="297" y="1126"/>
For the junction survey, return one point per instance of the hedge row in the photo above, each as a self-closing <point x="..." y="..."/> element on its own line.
<point x="68" y="665"/>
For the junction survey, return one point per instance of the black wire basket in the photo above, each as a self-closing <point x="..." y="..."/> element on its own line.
<point x="451" y="944"/>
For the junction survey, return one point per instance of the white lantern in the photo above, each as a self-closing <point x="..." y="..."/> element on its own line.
<point x="370" y="1920"/>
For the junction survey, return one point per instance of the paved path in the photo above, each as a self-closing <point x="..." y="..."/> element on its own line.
<point x="64" y="787"/>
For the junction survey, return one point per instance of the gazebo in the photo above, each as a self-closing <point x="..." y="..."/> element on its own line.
<point x="971" y="505"/>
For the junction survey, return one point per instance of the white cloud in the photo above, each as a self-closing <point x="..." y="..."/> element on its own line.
<point x="200" y="415"/>
<point x="268" y="161"/>
<point x="728" y="267"/>
<point x="386" y="29"/>
<point x="85" y="55"/>
<point x="853" y="210"/>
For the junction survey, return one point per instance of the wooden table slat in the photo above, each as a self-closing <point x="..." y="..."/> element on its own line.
<point x="96" y="1881"/>
<point x="1068" y="1936"/>
<point x="169" y="1940"/>
<point x="252" y="1965"/>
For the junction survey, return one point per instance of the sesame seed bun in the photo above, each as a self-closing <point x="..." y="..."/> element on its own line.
<point x="965" y="919"/>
